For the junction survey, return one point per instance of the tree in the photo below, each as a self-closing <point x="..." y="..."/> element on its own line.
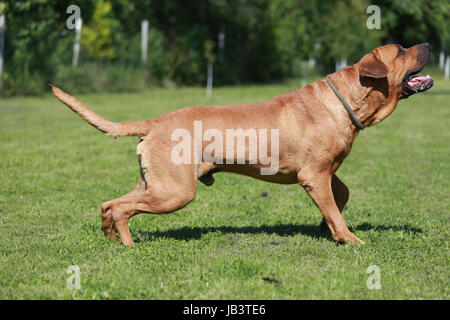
<point x="97" y="34"/>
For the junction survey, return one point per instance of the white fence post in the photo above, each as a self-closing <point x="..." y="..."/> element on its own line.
<point x="447" y="68"/>
<point x="76" y="46"/>
<point x="441" y="59"/>
<point x="304" y="72"/>
<point x="340" y="64"/>
<point x="221" y="42"/>
<point x="209" y="81"/>
<point x="2" y="40"/>
<point x="144" y="40"/>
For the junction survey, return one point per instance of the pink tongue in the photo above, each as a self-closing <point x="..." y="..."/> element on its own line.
<point x="417" y="81"/>
<point x="422" y="78"/>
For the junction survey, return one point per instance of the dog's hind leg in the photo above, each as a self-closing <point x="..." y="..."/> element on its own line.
<point x="122" y="209"/>
<point x="164" y="187"/>
<point x="106" y="215"/>
<point x="341" y="196"/>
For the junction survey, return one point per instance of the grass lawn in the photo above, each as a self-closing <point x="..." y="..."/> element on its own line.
<point x="240" y="238"/>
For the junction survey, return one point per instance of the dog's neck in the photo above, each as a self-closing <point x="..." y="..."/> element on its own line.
<point x="372" y="100"/>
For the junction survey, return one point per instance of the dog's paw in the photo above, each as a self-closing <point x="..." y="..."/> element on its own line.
<point x="348" y="239"/>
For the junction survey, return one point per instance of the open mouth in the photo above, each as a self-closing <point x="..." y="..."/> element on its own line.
<point x="414" y="84"/>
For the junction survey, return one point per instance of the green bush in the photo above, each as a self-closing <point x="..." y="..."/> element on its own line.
<point x="265" y="40"/>
<point x="96" y="77"/>
<point x="22" y="83"/>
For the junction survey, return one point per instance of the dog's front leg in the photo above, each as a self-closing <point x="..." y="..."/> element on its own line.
<point x="341" y="196"/>
<point x="319" y="189"/>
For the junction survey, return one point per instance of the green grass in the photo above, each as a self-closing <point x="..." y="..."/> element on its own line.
<point x="56" y="171"/>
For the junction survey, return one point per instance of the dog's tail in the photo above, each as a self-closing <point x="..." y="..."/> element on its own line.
<point x="115" y="129"/>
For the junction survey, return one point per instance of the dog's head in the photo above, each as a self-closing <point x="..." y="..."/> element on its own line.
<point x="398" y="66"/>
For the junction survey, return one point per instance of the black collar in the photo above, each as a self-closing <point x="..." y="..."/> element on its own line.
<point x="355" y="120"/>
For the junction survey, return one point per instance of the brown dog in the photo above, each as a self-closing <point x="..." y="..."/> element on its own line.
<point x="312" y="135"/>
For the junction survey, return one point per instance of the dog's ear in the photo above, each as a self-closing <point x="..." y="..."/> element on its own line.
<point x="371" y="66"/>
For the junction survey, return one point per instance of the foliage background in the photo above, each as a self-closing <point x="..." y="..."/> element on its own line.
<point x="55" y="169"/>
<point x="265" y="40"/>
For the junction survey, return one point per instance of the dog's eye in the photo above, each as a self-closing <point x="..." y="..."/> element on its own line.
<point x="401" y="52"/>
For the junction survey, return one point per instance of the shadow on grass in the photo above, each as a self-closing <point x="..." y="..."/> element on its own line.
<point x="406" y="227"/>
<point x="196" y="233"/>
<point x="283" y="230"/>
